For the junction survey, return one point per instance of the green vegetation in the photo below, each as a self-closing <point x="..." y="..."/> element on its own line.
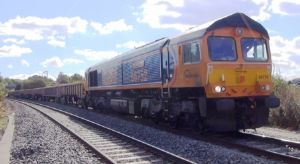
<point x="3" y="115"/>
<point x="288" y="114"/>
<point x="3" y="89"/>
<point x="37" y="81"/>
<point x="3" y="119"/>
<point x="76" y="78"/>
<point x="63" y="78"/>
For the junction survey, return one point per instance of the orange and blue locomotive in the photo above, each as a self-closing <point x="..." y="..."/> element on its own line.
<point x="217" y="76"/>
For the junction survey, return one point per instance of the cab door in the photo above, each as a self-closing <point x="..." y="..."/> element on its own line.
<point x="165" y="65"/>
<point x="165" y="69"/>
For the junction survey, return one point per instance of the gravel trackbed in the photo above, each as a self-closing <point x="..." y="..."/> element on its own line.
<point x="38" y="140"/>
<point x="195" y="150"/>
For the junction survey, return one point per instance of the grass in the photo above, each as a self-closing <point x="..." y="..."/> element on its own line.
<point x="288" y="114"/>
<point x="3" y="119"/>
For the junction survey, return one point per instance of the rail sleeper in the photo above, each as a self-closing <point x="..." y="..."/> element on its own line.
<point x="113" y="147"/>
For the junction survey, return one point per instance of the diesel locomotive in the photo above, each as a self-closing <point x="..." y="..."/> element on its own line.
<point x="217" y="76"/>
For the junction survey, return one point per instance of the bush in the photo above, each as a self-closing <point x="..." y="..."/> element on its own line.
<point x="287" y="115"/>
<point x="2" y="91"/>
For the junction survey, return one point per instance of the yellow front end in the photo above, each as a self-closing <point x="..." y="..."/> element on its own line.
<point x="238" y="80"/>
<point x="238" y="64"/>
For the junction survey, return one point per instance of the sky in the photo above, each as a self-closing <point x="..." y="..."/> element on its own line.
<point x="39" y="37"/>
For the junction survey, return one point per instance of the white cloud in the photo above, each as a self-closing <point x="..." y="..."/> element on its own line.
<point x="130" y="44"/>
<point x="153" y="10"/>
<point x="36" y="28"/>
<point x="285" y="56"/>
<point x="57" y="62"/>
<point x="264" y="13"/>
<point x="13" y="51"/>
<point x="96" y="55"/>
<point x="183" y="14"/>
<point x="10" y="66"/>
<point x="56" y="42"/>
<point x="111" y="27"/>
<point x="52" y="62"/>
<point x="25" y="63"/>
<point x="14" y="40"/>
<point x="20" y="76"/>
<point x="72" y="61"/>
<point x="26" y="76"/>
<point x="285" y="7"/>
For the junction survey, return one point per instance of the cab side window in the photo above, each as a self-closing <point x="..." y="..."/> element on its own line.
<point x="93" y="78"/>
<point x="191" y="52"/>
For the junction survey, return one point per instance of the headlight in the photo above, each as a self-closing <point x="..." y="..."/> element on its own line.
<point x="218" y="89"/>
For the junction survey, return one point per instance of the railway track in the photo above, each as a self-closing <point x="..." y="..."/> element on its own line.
<point x="111" y="145"/>
<point x="272" y="148"/>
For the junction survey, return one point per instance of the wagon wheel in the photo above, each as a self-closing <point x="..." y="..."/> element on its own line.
<point x="144" y="112"/>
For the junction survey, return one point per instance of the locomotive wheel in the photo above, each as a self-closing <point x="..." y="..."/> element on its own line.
<point x="155" y="117"/>
<point x="174" y="122"/>
<point x="144" y="113"/>
<point x="199" y="126"/>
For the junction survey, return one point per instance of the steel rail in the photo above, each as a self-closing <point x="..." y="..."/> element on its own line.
<point x="166" y="157"/>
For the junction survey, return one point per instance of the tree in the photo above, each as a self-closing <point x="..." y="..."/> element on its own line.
<point x="37" y="79"/>
<point x="33" y="83"/>
<point x="62" y="78"/>
<point x="3" y="90"/>
<point x="76" y="78"/>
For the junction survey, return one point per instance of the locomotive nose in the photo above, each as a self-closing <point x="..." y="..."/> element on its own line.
<point x="238" y="80"/>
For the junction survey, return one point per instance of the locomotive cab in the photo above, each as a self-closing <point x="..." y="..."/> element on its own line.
<point x="239" y="75"/>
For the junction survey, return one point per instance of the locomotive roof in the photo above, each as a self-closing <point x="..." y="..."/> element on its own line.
<point x="238" y="20"/>
<point x="234" y="20"/>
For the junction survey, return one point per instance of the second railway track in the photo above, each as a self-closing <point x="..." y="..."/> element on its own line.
<point x="111" y="145"/>
<point x="273" y="148"/>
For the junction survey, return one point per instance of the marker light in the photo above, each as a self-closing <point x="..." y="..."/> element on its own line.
<point x="265" y="87"/>
<point x="268" y="87"/>
<point x="223" y="89"/>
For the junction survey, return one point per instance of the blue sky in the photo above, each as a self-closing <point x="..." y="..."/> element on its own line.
<point x="71" y="35"/>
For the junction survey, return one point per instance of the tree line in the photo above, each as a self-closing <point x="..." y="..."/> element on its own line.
<point x="36" y="81"/>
